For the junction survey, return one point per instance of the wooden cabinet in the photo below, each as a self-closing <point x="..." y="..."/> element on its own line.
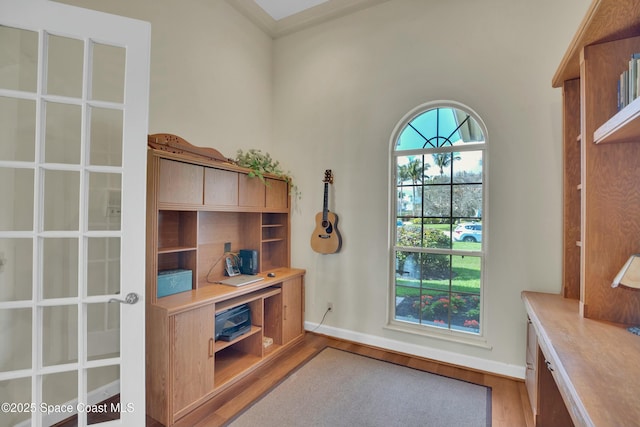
<point x="192" y="357"/>
<point x="601" y="162"/>
<point x="572" y="341"/>
<point x="531" y="374"/>
<point x="587" y="370"/>
<point x="291" y="310"/>
<point x="220" y="187"/>
<point x="179" y="183"/>
<point x="194" y="209"/>
<point x="546" y="401"/>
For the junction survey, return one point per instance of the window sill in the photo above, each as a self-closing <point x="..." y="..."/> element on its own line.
<point x="444" y="334"/>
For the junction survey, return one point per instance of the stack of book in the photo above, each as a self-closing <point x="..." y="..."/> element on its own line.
<point x="629" y="82"/>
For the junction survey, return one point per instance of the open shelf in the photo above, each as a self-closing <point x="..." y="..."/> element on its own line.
<point x="221" y="345"/>
<point x="622" y="127"/>
<point x="230" y="363"/>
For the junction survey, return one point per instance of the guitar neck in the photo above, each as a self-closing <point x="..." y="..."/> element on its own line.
<point x="326" y="201"/>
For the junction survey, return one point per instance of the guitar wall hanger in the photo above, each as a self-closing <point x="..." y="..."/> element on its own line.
<point x="326" y="238"/>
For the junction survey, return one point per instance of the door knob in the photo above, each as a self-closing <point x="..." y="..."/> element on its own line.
<point x="131" y="298"/>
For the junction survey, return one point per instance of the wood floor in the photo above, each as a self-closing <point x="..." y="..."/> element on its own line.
<point x="510" y="404"/>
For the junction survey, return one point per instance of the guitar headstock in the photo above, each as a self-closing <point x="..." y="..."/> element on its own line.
<point x="328" y="176"/>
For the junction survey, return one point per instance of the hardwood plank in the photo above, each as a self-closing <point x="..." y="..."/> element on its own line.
<point x="509" y="399"/>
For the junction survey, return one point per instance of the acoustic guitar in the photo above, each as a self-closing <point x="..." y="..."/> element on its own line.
<point x="326" y="237"/>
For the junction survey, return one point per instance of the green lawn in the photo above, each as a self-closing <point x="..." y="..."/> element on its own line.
<point x="466" y="275"/>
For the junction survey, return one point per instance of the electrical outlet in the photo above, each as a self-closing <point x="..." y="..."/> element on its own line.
<point x="329" y="306"/>
<point x="227" y="247"/>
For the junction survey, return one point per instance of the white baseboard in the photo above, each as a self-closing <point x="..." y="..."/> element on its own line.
<point x="498" y="368"/>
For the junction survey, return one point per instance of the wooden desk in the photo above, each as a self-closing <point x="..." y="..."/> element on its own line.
<point x="595" y="364"/>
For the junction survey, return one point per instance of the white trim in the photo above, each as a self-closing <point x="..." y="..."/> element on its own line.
<point x="462" y="360"/>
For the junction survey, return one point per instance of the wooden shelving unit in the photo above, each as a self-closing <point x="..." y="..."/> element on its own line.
<point x="196" y="206"/>
<point x="604" y="166"/>
<point x="601" y="229"/>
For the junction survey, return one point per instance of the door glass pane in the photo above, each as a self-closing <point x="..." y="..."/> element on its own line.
<point x="18" y="122"/>
<point x="103" y="266"/>
<point x="106" y="137"/>
<point x="108" y="73"/>
<point x="64" y="66"/>
<point x="59" y="335"/>
<point x="61" y="200"/>
<point x="15" y="391"/>
<point x="15" y="336"/>
<point x="61" y="389"/>
<point x="62" y="133"/>
<point x="59" y="267"/>
<point x="18" y="59"/>
<point x="17" y="186"/>
<point x="103" y="330"/>
<point x="16" y="263"/>
<point x="107" y="405"/>
<point x="104" y="201"/>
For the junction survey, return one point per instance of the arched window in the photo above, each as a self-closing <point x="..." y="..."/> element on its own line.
<point x="438" y="233"/>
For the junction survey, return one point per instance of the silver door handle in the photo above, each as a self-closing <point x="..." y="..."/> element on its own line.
<point x="131" y="298"/>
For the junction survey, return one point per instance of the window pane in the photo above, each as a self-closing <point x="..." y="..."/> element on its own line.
<point x="61" y="200"/>
<point x="104" y="201"/>
<point x="15" y="391"/>
<point x="103" y="265"/>
<point x="15" y="335"/>
<point x="108" y="73"/>
<point x="467" y="201"/>
<point x="103" y="331"/>
<point x="17" y="186"/>
<point x="62" y="133"/>
<point x="64" y="66"/>
<point x="60" y="389"/>
<point x="437" y="201"/>
<point x="59" y="335"/>
<point x="16" y="257"/>
<point x="59" y="267"/>
<point x="467" y="167"/>
<point x="18" y="121"/>
<point x="106" y="137"/>
<point x="19" y="59"/>
<point x="406" y="307"/>
<point x="439" y="166"/>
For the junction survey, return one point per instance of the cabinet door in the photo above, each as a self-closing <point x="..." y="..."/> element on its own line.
<point x="192" y="356"/>
<point x="180" y="183"/>
<point x="277" y="194"/>
<point x="220" y="187"/>
<point x="292" y="309"/>
<point x="531" y="377"/>
<point x="251" y="191"/>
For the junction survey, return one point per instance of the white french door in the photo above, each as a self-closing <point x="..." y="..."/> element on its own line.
<point x="73" y="112"/>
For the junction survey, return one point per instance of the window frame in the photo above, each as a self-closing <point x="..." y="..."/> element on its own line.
<point x="449" y="334"/>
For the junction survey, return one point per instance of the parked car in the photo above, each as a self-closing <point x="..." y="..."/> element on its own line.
<point x="468" y="232"/>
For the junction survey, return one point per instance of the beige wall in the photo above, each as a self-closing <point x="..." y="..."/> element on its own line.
<point x="332" y="95"/>
<point x="211" y="71"/>
<point x="340" y="88"/>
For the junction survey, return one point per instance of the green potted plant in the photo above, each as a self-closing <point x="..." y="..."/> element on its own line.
<point x="260" y="163"/>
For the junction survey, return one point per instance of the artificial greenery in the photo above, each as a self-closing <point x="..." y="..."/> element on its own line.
<point x="260" y="163"/>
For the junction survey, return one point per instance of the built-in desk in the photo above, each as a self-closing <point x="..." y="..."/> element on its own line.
<point x="595" y="364"/>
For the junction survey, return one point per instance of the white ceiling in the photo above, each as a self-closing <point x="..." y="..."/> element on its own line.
<point x="281" y="17"/>
<point x="279" y="9"/>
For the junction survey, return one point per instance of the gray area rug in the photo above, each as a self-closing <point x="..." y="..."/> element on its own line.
<point x="338" y="388"/>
